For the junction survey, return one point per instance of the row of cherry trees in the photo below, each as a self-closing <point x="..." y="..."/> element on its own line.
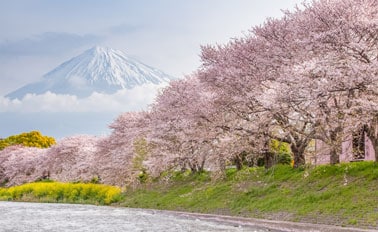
<point x="313" y="74"/>
<point x="310" y="75"/>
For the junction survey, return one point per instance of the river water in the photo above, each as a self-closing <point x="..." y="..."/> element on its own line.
<point x="19" y="216"/>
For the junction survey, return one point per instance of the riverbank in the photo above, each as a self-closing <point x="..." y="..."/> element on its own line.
<point x="342" y="195"/>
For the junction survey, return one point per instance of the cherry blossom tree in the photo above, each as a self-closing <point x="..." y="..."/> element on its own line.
<point x="340" y="38"/>
<point x="116" y="152"/>
<point x="19" y="165"/>
<point x="302" y="72"/>
<point x="180" y="125"/>
<point x="73" y="159"/>
<point x="246" y="73"/>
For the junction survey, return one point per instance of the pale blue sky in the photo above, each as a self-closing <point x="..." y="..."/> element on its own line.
<point x="38" y="35"/>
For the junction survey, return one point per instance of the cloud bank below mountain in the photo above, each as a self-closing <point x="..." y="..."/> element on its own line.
<point x="134" y="99"/>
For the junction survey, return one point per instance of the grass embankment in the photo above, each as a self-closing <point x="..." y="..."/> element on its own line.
<point x="345" y="195"/>
<point x="63" y="193"/>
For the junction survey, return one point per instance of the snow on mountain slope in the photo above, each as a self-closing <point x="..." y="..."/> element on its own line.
<point x="98" y="69"/>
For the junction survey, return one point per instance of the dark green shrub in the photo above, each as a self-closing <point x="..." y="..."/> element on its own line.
<point x="284" y="158"/>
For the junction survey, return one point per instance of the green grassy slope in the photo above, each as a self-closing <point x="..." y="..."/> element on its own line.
<point x="345" y="194"/>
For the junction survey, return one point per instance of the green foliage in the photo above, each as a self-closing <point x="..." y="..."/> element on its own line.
<point x="278" y="147"/>
<point x="63" y="192"/>
<point x="344" y="194"/>
<point x="230" y="172"/>
<point x="202" y="176"/>
<point x="95" y="180"/>
<point x="30" y="139"/>
<point x="284" y="158"/>
<point x="180" y="175"/>
<point x="281" y="150"/>
<point x="143" y="177"/>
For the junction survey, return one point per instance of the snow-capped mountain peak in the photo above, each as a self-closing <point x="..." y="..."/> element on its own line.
<point x="98" y="69"/>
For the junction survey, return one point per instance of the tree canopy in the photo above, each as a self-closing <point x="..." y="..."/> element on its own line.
<point x="28" y="139"/>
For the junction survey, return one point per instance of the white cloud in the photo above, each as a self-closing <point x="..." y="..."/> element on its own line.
<point x="134" y="99"/>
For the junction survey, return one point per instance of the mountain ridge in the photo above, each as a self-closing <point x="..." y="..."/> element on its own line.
<point x="98" y="69"/>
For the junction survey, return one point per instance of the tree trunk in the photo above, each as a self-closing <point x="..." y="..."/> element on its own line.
<point x="373" y="138"/>
<point x="299" y="157"/>
<point x="194" y="167"/>
<point x="222" y="165"/>
<point x="268" y="159"/>
<point x="335" y="146"/>
<point x="220" y="173"/>
<point x="375" y="146"/>
<point x="238" y="161"/>
<point x="374" y="141"/>
<point x="203" y="164"/>
<point x="334" y="156"/>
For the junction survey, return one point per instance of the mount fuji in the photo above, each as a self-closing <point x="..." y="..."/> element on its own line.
<point x="99" y="69"/>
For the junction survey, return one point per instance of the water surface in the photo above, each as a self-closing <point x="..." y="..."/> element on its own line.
<point x="19" y="216"/>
